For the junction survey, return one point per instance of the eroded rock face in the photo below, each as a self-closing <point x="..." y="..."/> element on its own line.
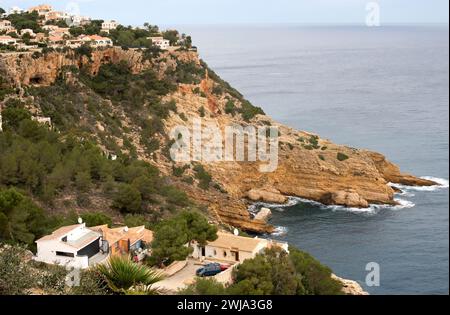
<point x="22" y="69"/>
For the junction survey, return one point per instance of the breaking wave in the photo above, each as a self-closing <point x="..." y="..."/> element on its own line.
<point x="443" y="184"/>
<point x="280" y="231"/>
<point x="407" y="191"/>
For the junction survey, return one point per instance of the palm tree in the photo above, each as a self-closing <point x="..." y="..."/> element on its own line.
<point x="124" y="276"/>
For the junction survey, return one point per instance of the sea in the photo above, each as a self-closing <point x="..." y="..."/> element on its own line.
<point x="380" y="88"/>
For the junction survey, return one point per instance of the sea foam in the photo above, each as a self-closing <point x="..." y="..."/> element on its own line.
<point x="442" y="184"/>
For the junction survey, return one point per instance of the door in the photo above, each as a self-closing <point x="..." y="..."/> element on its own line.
<point x="235" y="254"/>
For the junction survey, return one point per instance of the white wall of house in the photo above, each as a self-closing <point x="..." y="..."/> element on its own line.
<point x="222" y="254"/>
<point x="57" y="252"/>
<point x="227" y="254"/>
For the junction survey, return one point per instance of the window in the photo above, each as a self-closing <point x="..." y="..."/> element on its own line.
<point x="65" y="254"/>
<point x="224" y="254"/>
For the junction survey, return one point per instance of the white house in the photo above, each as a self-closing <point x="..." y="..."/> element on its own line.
<point x="109" y="25"/>
<point x="78" y="20"/>
<point x="6" y="26"/>
<point x="56" y="15"/>
<point x="160" y="42"/>
<point x="16" y="10"/>
<point x="27" y="31"/>
<point x="72" y="246"/>
<point x="96" y="41"/>
<point x="7" y="40"/>
<point x="234" y="249"/>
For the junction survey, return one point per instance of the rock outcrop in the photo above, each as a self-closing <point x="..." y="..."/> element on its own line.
<point x="266" y="195"/>
<point x="264" y="215"/>
<point x="348" y="198"/>
<point x="350" y="287"/>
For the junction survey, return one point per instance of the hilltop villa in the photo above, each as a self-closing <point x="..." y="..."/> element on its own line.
<point x="96" y="40"/>
<point x="42" y="10"/>
<point x="109" y="25"/>
<point x="5" y="26"/>
<point x="160" y="42"/>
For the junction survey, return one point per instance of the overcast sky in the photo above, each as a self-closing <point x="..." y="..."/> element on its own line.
<point x="163" y="12"/>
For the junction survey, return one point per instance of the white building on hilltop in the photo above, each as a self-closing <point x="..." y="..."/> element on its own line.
<point x="73" y="246"/>
<point x="15" y="10"/>
<point x="160" y="42"/>
<point x="109" y="25"/>
<point x="42" y="9"/>
<point x="7" y="40"/>
<point x="6" y="26"/>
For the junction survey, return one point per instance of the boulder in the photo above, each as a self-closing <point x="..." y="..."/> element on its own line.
<point x="348" y="198"/>
<point x="265" y="195"/>
<point x="264" y="215"/>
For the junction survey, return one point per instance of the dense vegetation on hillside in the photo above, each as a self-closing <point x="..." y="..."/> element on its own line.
<point x="45" y="164"/>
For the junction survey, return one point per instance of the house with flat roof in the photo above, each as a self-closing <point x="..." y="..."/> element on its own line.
<point x="126" y="241"/>
<point x="7" y="40"/>
<point x="109" y="25"/>
<point x="160" y="42"/>
<point x="6" y="26"/>
<point x="78" y="20"/>
<point x="15" y="10"/>
<point x="234" y="249"/>
<point x="72" y="246"/>
<point x="55" y="15"/>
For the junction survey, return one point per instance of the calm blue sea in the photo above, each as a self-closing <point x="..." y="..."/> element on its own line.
<point x="384" y="89"/>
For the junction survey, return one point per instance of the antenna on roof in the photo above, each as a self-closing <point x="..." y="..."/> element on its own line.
<point x="236" y="232"/>
<point x="126" y="229"/>
<point x="80" y="220"/>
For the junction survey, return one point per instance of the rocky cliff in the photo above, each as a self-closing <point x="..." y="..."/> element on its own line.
<point x="309" y="166"/>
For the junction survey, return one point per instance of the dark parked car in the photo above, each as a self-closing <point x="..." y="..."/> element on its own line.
<point x="209" y="270"/>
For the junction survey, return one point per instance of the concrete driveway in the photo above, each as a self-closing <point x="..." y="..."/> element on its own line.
<point x="181" y="279"/>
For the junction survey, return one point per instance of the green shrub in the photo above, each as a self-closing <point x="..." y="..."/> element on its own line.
<point x="202" y="112"/>
<point x="342" y="157"/>
<point x="203" y="176"/>
<point x="96" y="218"/>
<point x="248" y="111"/>
<point x="128" y="199"/>
<point x="230" y="108"/>
<point x="175" y="196"/>
<point x="202" y="286"/>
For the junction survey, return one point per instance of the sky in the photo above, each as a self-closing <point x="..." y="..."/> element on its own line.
<point x="173" y="12"/>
